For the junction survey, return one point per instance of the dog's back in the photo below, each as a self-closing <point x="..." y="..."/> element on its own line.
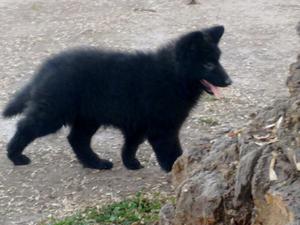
<point x="145" y="95"/>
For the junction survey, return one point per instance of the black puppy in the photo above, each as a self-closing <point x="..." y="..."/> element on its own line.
<point x="145" y="95"/>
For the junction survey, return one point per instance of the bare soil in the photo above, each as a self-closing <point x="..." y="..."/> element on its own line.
<point x="259" y="44"/>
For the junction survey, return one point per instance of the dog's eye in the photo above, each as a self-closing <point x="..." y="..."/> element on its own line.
<point x="209" y="66"/>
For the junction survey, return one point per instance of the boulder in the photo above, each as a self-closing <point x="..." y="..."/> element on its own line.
<point x="249" y="176"/>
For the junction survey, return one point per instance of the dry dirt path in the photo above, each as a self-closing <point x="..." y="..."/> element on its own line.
<point x="258" y="45"/>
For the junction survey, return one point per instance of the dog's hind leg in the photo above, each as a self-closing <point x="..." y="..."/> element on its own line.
<point x="35" y="124"/>
<point x="80" y="139"/>
<point x="167" y="148"/>
<point x="132" y="141"/>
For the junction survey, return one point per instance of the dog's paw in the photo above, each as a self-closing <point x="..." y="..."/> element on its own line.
<point x="133" y="165"/>
<point x="100" y="164"/>
<point x="20" y="160"/>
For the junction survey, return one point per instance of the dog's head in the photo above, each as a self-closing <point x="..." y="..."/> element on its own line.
<point x="198" y="55"/>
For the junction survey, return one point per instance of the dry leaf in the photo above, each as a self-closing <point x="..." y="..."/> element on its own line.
<point x="269" y="126"/>
<point x="296" y="163"/>
<point x="267" y="142"/>
<point x="262" y="138"/>
<point x="234" y="133"/>
<point x="272" y="173"/>
<point x="279" y="122"/>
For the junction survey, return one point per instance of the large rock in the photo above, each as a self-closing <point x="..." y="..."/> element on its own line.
<point x="247" y="177"/>
<point x="198" y="202"/>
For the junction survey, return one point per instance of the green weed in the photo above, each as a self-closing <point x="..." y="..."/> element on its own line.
<point x="136" y="210"/>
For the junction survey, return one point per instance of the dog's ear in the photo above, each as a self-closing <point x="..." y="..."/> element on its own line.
<point x="195" y="41"/>
<point x="216" y="33"/>
<point x="189" y="44"/>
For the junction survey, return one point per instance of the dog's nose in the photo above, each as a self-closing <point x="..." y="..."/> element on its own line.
<point x="228" y="81"/>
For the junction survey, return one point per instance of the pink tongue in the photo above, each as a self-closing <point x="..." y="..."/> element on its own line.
<point x="215" y="90"/>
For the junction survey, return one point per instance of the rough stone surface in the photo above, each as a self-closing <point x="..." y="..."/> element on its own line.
<point x="203" y="198"/>
<point x="244" y="176"/>
<point x="250" y="176"/>
<point x="166" y="215"/>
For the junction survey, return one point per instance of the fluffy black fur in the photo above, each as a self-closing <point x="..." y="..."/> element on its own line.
<point x="145" y="95"/>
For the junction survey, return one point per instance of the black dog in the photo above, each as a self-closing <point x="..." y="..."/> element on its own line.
<point x="145" y="95"/>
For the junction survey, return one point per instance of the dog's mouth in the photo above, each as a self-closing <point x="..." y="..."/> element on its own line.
<point x="211" y="89"/>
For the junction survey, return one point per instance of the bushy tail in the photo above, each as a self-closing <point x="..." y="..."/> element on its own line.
<point x="18" y="103"/>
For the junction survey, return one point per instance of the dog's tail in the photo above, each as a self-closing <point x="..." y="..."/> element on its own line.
<point x="18" y="103"/>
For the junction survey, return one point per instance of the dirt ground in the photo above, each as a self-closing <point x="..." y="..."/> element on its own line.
<point x="258" y="46"/>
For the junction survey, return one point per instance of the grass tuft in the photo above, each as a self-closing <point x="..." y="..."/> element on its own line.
<point x="136" y="210"/>
<point x="208" y="121"/>
<point x="209" y="98"/>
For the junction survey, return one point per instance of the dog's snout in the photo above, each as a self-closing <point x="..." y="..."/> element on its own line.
<point x="228" y="81"/>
